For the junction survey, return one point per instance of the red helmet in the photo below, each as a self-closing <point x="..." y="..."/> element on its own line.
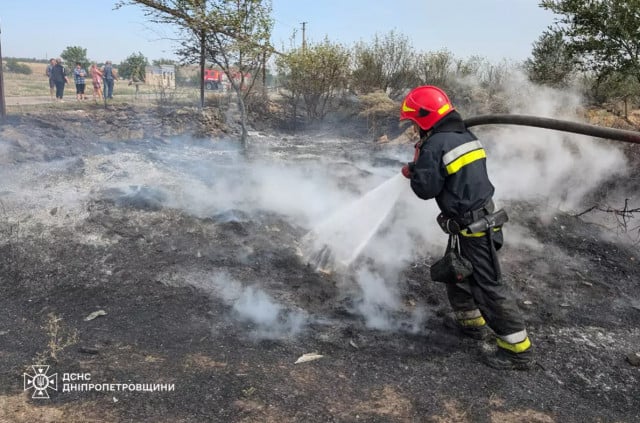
<point x="425" y="106"/>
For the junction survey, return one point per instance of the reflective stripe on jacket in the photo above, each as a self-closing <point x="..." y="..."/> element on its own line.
<point x="452" y="168"/>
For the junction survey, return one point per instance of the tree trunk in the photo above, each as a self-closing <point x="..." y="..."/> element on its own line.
<point x="243" y="119"/>
<point x="202" y="64"/>
<point x="3" y="106"/>
<point x="295" y="113"/>
<point x="264" y="74"/>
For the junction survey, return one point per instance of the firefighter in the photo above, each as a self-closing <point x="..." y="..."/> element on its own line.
<point x="450" y="166"/>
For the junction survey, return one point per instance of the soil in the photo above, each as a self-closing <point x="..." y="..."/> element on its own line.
<point x="120" y="211"/>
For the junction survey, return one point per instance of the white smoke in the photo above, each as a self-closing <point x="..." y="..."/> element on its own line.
<point x="547" y="166"/>
<point x="535" y="165"/>
<point x="249" y="304"/>
<point x="380" y="302"/>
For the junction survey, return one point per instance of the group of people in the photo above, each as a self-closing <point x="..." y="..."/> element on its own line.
<point x="58" y="78"/>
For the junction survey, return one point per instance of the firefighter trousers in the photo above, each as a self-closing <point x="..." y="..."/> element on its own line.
<point x="484" y="289"/>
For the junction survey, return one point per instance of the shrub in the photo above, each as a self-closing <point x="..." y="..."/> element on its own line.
<point x="16" y="67"/>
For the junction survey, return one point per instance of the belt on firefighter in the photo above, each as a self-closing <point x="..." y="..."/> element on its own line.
<point x="474" y="215"/>
<point x="454" y="225"/>
<point x="489" y="222"/>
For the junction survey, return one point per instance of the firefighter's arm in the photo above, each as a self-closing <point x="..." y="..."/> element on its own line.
<point x="408" y="168"/>
<point x="427" y="179"/>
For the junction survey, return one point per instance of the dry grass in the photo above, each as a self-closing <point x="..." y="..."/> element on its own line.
<point x="37" y="84"/>
<point x="59" y="338"/>
<point x="20" y="409"/>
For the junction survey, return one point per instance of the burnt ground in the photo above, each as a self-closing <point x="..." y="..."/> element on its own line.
<point x="93" y="225"/>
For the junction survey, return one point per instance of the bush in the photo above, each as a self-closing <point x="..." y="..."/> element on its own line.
<point x="16" y="67"/>
<point x="133" y="67"/>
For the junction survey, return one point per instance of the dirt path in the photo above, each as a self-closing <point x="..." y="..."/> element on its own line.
<point x="70" y="98"/>
<point x="17" y="101"/>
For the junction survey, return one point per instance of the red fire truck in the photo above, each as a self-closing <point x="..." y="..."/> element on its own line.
<point x="213" y="79"/>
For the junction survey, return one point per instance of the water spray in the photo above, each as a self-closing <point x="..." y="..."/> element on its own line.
<point x="339" y="239"/>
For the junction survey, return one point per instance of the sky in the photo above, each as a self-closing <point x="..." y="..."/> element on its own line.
<point x="494" y="29"/>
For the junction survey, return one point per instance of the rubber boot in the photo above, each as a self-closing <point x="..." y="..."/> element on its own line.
<point x="506" y="360"/>
<point x="478" y="332"/>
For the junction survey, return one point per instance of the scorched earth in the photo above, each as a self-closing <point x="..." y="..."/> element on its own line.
<point x="178" y="261"/>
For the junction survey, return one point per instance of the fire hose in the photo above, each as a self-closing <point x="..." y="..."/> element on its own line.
<point x="320" y="243"/>
<point x="560" y="125"/>
<point x="547" y="123"/>
<point x="453" y="267"/>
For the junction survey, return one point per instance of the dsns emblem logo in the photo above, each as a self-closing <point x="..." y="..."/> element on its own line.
<point x="40" y="382"/>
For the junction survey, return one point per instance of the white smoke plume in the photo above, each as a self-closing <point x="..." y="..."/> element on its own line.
<point x="307" y="186"/>
<point x="542" y="165"/>
<point x="534" y="165"/>
<point x="250" y="304"/>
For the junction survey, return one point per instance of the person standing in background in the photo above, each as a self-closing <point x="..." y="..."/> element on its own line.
<point x="79" y="75"/>
<point x="52" y="85"/>
<point x="109" y="74"/>
<point x="59" y="77"/>
<point x="96" y="79"/>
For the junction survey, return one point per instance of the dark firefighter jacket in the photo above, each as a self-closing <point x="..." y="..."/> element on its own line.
<point x="452" y="168"/>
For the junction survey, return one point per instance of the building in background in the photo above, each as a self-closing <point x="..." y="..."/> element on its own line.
<point x="163" y="76"/>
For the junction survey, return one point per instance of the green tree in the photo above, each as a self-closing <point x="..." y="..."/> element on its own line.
<point x="614" y="89"/>
<point x="552" y="62"/>
<point x="190" y="16"/>
<point x="163" y="61"/>
<point x="386" y="62"/>
<point x="315" y="75"/>
<point x="435" y="68"/>
<point x="133" y="67"/>
<point x="75" y="54"/>
<point x="231" y="33"/>
<point x="367" y="75"/>
<point x="179" y="75"/>
<point x="603" y="34"/>
<point x="199" y="20"/>
<point x="242" y="49"/>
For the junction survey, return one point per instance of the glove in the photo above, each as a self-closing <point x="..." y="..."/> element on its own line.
<point x="407" y="170"/>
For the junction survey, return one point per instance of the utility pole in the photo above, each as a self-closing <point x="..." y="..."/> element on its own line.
<point x="3" y="109"/>
<point x="264" y="72"/>
<point x="304" y="40"/>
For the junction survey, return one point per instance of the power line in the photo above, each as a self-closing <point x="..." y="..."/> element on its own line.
<point x="3" y="109"/>
<point x="304" y="39"/>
